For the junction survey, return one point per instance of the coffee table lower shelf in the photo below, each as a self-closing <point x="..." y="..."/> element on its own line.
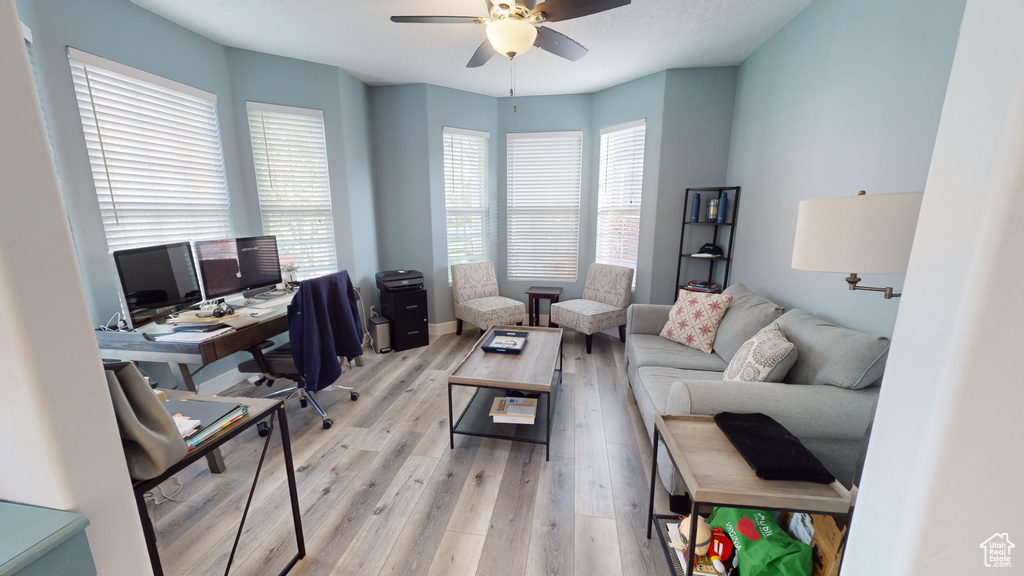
<point x="475" y="419"/>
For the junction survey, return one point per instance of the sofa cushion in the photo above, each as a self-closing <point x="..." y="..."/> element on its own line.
<point x="657" y="383"/>
<point x="693" y="320"/>
<point x="766" y="357"/>
<point x="747" y="314"/>
<point x="829" y="354"/>
<point x="653" y="350"/>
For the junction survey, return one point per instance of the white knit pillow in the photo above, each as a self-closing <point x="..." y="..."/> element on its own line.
<point x="766" y="357"/>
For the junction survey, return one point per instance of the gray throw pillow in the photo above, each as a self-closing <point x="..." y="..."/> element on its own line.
<point x="766" y="357"/>
<point x="747" y="314"/>
<point x="831" y="354"/>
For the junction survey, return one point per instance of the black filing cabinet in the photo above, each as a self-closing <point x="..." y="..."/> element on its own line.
<point x="407" y="312"/>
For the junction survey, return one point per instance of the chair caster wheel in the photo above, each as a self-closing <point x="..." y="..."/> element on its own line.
<point x="263" y="429"/>
<point x="303" y="403"/>
<point x="328" y="423"/>
<point x="354" y="396"/>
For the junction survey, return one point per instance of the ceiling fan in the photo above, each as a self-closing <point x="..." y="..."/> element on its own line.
<point x="513" y="28"/>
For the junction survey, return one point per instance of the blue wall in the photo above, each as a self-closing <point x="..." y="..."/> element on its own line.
<point x="846" y="97"/>
<point x="688" y="115"/>
<point x="122" y="32"/>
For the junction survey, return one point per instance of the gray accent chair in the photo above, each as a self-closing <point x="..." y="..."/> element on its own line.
<point x="475" y="288"/>
<point x="827" y="399"/>
<point x="606" y="296"/>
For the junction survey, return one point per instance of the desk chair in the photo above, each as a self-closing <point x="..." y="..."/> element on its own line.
<point x="323" y="324"/>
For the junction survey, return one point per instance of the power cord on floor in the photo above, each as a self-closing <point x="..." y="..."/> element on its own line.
<point x="156" y="499"/>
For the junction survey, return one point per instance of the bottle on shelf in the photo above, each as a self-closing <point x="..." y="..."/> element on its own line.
<point x="695" y="208"/>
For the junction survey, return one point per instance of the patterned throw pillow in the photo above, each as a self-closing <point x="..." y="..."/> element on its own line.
<point x="766" y="357"/>
<point x="693" y="320"/>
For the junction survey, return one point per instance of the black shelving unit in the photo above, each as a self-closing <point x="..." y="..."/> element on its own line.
<point x="719" y="231"/>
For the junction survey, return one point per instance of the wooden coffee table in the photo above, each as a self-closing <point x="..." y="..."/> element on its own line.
<point x="536" y="370"/>
<point x="716" y="474"/>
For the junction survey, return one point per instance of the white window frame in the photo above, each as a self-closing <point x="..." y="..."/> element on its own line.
<point x="156" y="154"/>
<point x="294" y="192"/>
<point x="466" y="202"/>
<point x="619" y="194"/>
<point x="544" y="188"/>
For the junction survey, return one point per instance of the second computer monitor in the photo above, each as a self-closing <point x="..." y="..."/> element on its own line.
<point x="238" y="265"/>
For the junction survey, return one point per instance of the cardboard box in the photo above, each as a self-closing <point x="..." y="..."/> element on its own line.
<point x="826" y="542"/>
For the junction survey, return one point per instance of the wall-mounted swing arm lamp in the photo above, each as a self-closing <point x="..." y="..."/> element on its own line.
<point x="871" y="234"/>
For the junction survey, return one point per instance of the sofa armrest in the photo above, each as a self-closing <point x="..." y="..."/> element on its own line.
<point x="808" y="411"/>
<point x="646" y="318"/>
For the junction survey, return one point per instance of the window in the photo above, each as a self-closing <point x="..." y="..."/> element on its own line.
<point x="289" y="152"/>
<point x="544" y="178"/>
<point x="156" y="155"/>
<point x="620" y="188"/>
<point x="465" y="196"/>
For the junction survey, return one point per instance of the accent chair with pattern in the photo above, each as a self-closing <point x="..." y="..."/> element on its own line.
<point x="605" y="299"/>
<point x="475" y="287"/>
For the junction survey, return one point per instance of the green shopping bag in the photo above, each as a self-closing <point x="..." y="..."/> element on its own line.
<point x="762" y="548"/>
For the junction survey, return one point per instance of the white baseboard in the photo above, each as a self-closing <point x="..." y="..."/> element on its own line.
<point x="218" y="384"/>
<point x="449" y="327"/>
<point x="442" y="328"/>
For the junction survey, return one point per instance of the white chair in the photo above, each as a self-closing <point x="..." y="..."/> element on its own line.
<point x="475" y="287"/>
<point x="606" y="296"/>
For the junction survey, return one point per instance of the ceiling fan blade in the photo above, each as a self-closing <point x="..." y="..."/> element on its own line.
<point x="557" y="10"/>
<point x="482" y="55"/>
<point x="438" y="19"/>
<point x="559" y="44"/>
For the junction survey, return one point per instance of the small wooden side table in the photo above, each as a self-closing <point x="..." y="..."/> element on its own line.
<point x="536" y="294"/>
<point x="716" y="474"/>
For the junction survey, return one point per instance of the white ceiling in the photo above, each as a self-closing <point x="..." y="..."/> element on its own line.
<point x="625" y="43"/>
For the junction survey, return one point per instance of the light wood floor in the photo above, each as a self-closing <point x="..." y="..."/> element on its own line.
<point x="382" y="493"/>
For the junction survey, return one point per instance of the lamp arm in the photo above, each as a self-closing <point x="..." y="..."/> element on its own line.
<point x="852" y="280"/>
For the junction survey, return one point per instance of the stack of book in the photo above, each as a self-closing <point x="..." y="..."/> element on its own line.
<point x="698" y="286"/>
<point x="212" y="417"/>
<point x="514" y="410"/>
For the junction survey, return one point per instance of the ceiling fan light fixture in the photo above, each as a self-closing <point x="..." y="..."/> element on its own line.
<point x="511" y="36"/>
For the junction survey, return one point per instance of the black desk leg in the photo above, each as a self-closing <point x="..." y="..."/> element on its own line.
<point x="654" y="478"/>
<point x="149" y="534"/>
<point x="451" y="422"/>
<point x="293" y="492"/>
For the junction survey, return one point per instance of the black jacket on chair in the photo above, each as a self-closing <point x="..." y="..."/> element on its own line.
<point x="323" y="324"/>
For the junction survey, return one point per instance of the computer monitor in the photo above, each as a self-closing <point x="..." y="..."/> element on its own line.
<point x="156" y="281"/>
<point x="248" y="266"/>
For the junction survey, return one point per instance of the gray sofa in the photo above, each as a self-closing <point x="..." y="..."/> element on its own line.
<point x="827" y="399"/>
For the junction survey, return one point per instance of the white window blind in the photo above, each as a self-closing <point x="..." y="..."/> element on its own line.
<point x="156" y="155"/>
<point x="465" y="196"/>
<point x="544" y="180"/>
<point x="290" y="155"/>
<point x="620" y="187"/>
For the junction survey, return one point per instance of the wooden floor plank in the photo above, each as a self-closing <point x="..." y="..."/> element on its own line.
<point x="552" y="534"/>
<point x="632" y="493"/>
<point x="472" y="513"/>
<point x="508" y="535"/>
<point x="593" y="495"/>
<point x="596" y="547"/>
<point x="458" y="555"/>
<point x="422" y="532"/>
<point x="370" y="549"/>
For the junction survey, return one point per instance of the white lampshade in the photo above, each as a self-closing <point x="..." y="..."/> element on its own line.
<point x="511" y="36"/>
<point x="866" y="234"/>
